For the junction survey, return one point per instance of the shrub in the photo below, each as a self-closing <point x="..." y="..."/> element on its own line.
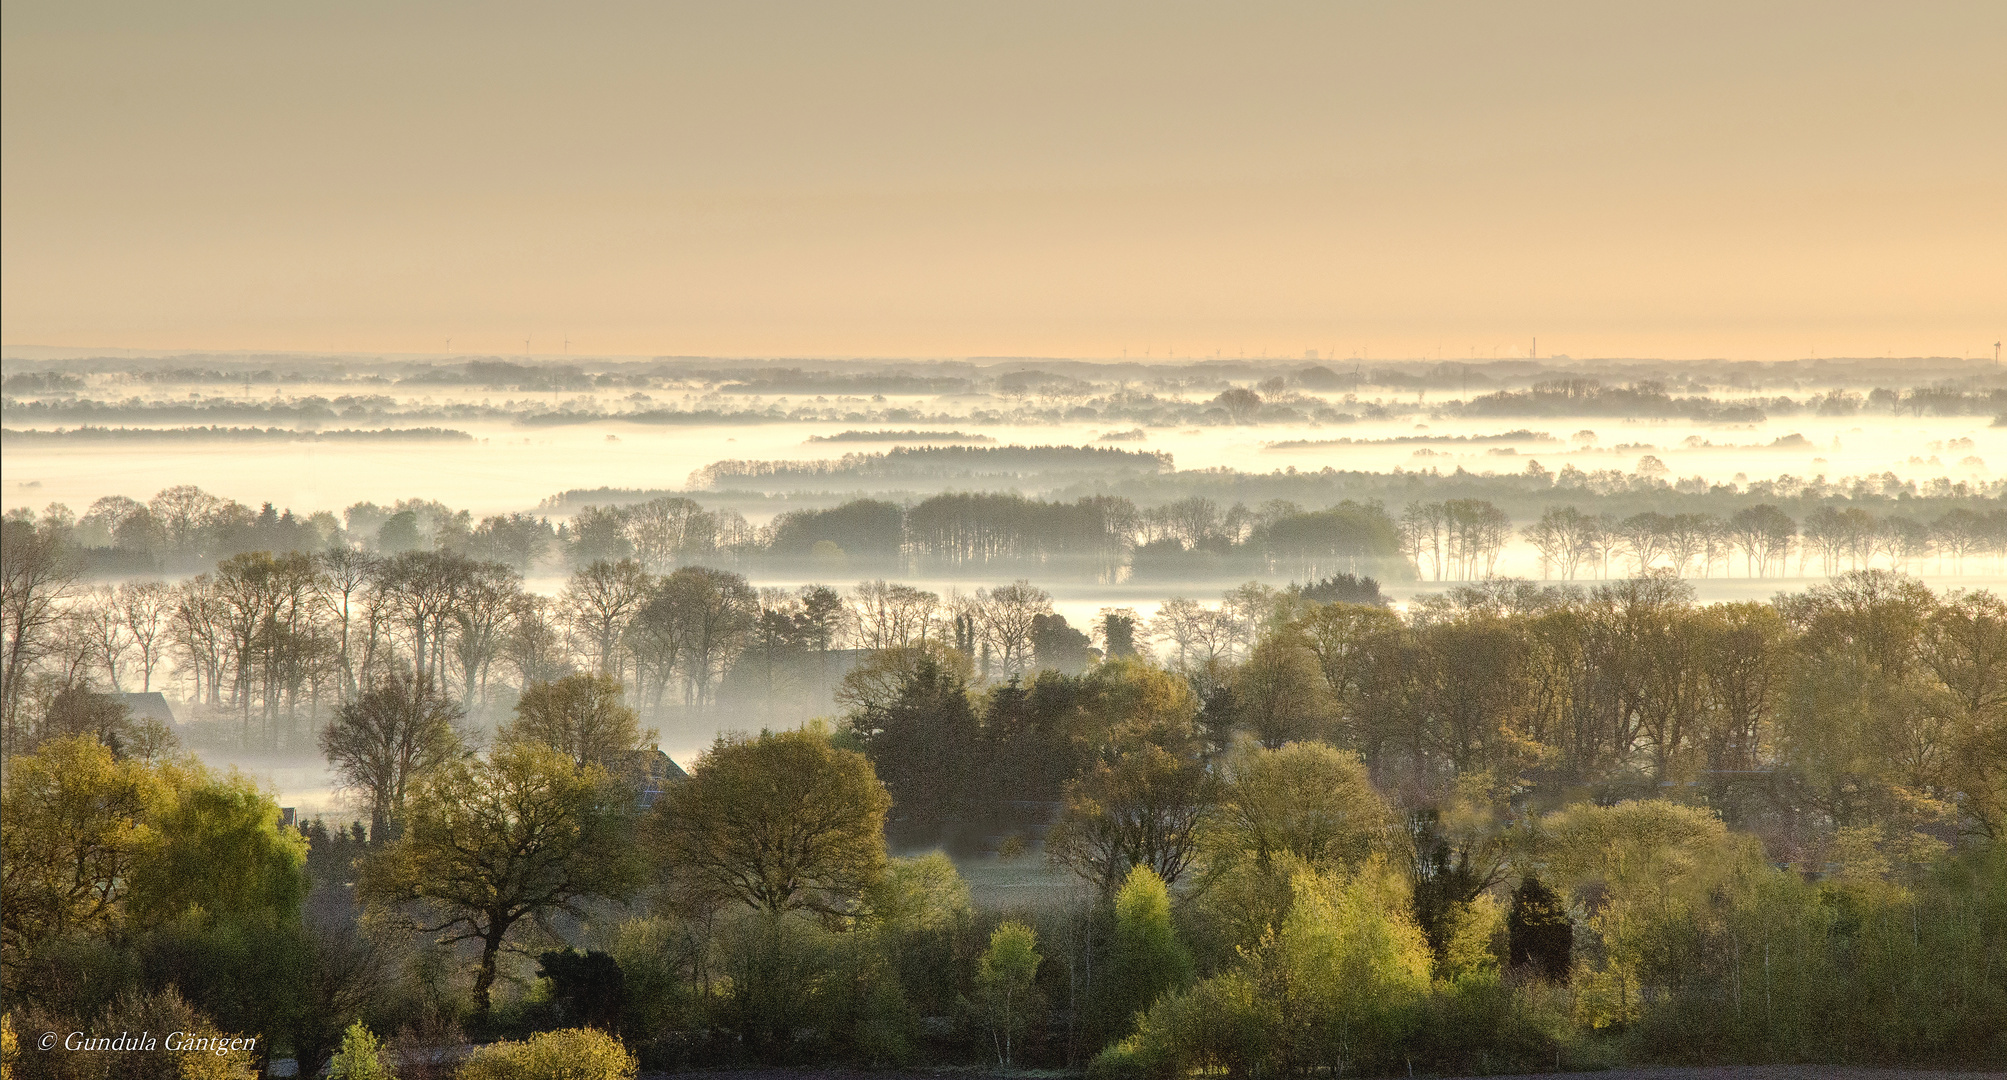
<point x="571" y="1054"/>
<point x="360" y="1056"/>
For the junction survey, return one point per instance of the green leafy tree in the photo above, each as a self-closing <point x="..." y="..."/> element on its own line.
<point x="779" y="822"/>
<point x="582" y="717"/>
<point x="218" y="848"/>
<point x="490" y="844"/>
<point x="1337" y="985"/>
<point x="1006" y="990"/>
<point x="1142" y="809"/>
<point x="1280" y="695"/>
<point x="74" y="823"/>
<point x="1308" y="799"/>
<point x="1145" y="958"/>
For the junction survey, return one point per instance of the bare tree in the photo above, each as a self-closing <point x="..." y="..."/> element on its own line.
<point x="1424" y="531"/>
<point x="715" y="610"/>
<point x="889" y="616"/>
<point x="182" y="513"/>
<point x="422" y="587"/>
<point x="1477" y="532"/>
<point x="1198" y="635"/>
<point x="1005" y="617"/>
<point x="196" y="627"/>
<point x="1553" y="540"/>
<point x="598" y="602"/>
<point x="1644" y="536"/>
<point x="535" y="644"/>
<point x="383" y="740"/>
<point x="345" y="575"/>
<point x="482" y="607"/>
<point x="36" y="577"/>
<point x="1249" y="608"/>
<point x="146" y="607"/>
<point x="666" y="529"/>
<point x="103" y="625"/>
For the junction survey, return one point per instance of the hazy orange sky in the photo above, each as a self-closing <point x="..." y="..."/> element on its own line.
<point x="1759" y="180"/>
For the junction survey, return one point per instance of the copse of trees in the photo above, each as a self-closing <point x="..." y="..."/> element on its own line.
<point x="1514" y="825"/>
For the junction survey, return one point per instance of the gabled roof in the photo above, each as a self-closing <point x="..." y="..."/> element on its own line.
<point x="149" y="706"/>
<point x="658" y="770"/>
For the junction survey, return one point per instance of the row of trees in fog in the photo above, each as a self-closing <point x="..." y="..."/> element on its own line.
<point x="1107" y="538"/>
<point x="1760" y="541"/>
<point x="277" y="642"/>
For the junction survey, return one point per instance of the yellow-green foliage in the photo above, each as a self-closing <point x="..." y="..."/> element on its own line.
<point x="74" y="822"/>
<point x="94" y="844"/>
<point x="1005" y="973"/>
<point x="1353" y="964"/>
<point x="219" y="848"/>
<point x="1650" y="864"/>
<point x="1145" y="958"/>
<point x="360" y="1056"/>
<point x="1308" y="799"/>
<point x="925" y="893"/>
<point x="1702" y="951"/>
<point x="1475" y="930"/>
<point x="194" y="1053"/>
<point x="572" y="1054"/>
<point x="1843" y="970"/>
<point x="1224" y="1023"/>
<point x="1339" y="984"/>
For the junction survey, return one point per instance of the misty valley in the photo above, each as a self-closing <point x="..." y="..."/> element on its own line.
<point x="1143" y="719"/>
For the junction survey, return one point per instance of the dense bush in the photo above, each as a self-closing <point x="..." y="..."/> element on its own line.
<point x="568" y="1054"/>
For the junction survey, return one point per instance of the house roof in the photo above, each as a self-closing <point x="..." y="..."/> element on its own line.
<point x="659" y="770"/>
<point x="149" y="706"/>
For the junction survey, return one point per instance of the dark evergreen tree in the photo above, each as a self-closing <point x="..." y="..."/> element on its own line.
<point x="1539" y="932"/>
<point x="924" y="746"/>
<point x="587" y="988"/>
<point x="1055" y="646"/>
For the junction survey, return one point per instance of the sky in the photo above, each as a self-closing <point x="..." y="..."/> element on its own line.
<point x="1376" y="180"/>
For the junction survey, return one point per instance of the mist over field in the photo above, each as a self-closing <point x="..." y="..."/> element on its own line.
<point x="1204" y="459"/>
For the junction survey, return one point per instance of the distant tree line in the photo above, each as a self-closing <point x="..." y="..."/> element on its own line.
<point x="1102" y="537"/>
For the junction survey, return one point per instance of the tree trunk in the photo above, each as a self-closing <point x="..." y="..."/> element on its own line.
<point x="484" y="978"/>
